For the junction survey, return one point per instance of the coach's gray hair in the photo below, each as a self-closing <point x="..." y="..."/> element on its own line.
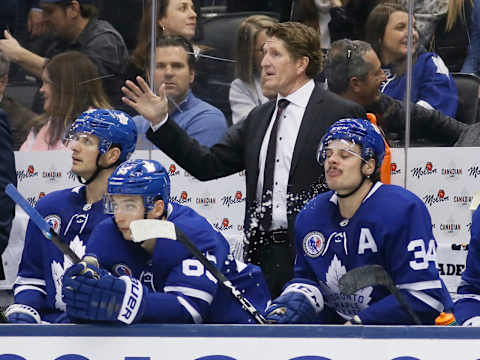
<point x="4" y="64"/>
<point x="344" y="61"/>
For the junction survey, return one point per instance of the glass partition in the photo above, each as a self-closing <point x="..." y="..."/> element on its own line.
<point x="441" y="52"/>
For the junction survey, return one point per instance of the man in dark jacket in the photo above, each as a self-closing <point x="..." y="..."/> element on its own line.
<point x="7" y="175"/>
<point x="281" y="175"/>
<point x="75" y="26"/>
<point x="354" y="72"/>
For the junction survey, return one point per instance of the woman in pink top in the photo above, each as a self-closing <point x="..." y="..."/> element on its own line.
<point x="70" y="86"/>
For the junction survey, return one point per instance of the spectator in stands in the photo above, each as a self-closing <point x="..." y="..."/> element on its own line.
<point x="76" y="27"/>
<point x="19" y="116"/>
<point x="427" y="14"/>
<point x="433" y="86"/>
<point x="334" y="19"/>
<point x="70" y="87"/>
<point x="353" y="71"/>
<point x="175" y="69"/>
<point x="245" y="90"/>
<point x="174" y="17"/>
<point x="472" y="61"/>
<point x="282" y="7"/>
<point x="453" y="33"/>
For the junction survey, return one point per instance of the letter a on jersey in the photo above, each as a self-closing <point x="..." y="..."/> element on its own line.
<point x="366" y="242"/>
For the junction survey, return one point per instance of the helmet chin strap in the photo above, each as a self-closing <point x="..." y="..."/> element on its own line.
<point x="95" y="174"/>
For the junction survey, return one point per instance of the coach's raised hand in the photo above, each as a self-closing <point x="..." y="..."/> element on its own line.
<point x="152" y="107"/>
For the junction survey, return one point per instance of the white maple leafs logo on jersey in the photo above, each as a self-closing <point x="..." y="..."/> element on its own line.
<point x="122" y="118"/>
<point x="58" y="270"/>
<point x="441" y="67"/>
<point x="346" y="306"/>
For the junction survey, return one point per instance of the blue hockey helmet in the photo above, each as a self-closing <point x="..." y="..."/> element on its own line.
<point x="147" y="178"/>
<point x="357" y="131"/>
<point x="111" y="127"/>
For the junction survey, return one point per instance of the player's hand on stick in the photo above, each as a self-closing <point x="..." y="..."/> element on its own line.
<point x="88" y="267"/>
<point x="298" y="304"/>
<point x="152" y="107"/>
<point x="105" y="299"/>
<point x="22" y="314"/>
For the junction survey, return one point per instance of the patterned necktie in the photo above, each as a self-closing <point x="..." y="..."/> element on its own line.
<point x="266" y="220"/>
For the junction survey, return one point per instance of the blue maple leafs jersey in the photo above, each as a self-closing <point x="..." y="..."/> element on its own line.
<point x="467" y="305"/>
<point x="180" y="288"/>
<point x="432" y="84"/>
<point x="41" y="268"/>
<point x="391" y="228"/>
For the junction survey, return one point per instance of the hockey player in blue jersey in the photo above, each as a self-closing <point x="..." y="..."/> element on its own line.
<point x="99" y="140"/>
<point x="467" y="305"/>
<point x="360" y="221"/>
<point x="168" y="283"/>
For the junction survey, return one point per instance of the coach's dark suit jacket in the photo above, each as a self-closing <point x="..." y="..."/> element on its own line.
<point x="8" y="174"/>
<point x="240" y="148"/>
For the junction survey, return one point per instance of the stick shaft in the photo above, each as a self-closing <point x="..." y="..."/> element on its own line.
<point x="219" y="276"/>
<point x="40" y="222"/>
<point x="374" y="275"/>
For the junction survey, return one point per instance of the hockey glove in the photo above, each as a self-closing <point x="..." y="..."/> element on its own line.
<point x="298" y="304"/>
<point x="105" y="299"/>
<point x="87" y="268"/>
<point x="22" y="314"/>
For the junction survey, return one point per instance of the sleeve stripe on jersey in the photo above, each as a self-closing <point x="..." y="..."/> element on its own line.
<point x="29" y="281"/>
<point x="427" y="299"/>
<point x="197" y="318"/>
<point x="21" y="288"/>
<point x="195" y="293"/>
<point x="467" y="296"/>
<point x="421" y="285"/>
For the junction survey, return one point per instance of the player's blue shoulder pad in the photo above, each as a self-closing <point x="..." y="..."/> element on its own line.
<point x="55" y="200"/>
<point x="198" y="229"/>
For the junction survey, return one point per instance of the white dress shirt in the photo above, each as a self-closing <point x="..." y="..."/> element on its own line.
<point x="287" y="136"/>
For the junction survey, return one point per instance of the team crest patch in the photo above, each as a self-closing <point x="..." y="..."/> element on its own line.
<point x="314" y="244"/>
<point x="54" y="221"/>
<point x="122" y="269"/>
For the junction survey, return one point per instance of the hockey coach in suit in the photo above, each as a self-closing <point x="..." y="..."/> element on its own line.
<point x="282" y="173"/>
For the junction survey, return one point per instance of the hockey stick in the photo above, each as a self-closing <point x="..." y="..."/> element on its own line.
<point x="40" y="222"/>
<point x="371" y="275"/>
<point x="152" y="228"/>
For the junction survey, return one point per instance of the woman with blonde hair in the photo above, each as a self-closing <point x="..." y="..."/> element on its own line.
<point x="71" y="85"/>
<point x="245" y="90"/>
<point x="454" y="34"/>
